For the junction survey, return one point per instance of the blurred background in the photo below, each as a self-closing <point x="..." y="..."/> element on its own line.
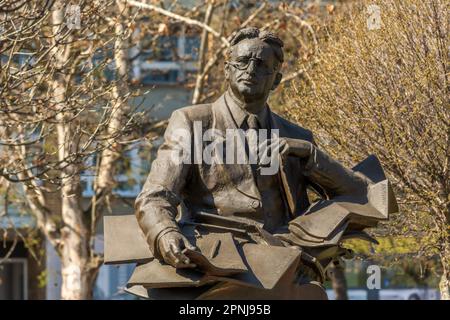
<point x="86" y="88"/>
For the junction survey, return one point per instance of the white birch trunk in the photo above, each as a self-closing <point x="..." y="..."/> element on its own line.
<point x="444" y="288"/>
<point x="106" y="173"/>
<point x="76" y="271"/>
<point x="444" y="284"/>
<point x="200" y="80"/>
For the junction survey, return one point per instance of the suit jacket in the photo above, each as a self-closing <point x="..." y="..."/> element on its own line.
<point x="230" y="189"/>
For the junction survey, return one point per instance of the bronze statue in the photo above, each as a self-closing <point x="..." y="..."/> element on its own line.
<point x="230" y="230"/>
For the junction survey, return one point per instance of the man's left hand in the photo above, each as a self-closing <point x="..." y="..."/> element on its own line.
<point x="285" y="147"/>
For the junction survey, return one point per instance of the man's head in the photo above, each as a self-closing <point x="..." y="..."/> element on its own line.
<point x="252" y="69"/>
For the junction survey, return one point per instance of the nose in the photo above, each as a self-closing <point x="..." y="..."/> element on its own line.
<point x="251" y="68"/>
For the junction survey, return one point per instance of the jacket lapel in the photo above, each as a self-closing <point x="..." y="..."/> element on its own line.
<point x="286" y="177"/>
<point x="223" y="120"/>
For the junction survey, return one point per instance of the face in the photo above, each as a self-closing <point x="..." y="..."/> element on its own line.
<point x="251" y="70"/>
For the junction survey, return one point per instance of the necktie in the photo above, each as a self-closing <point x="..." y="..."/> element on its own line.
<point x="252" y="144"/>
<point x="252" y="122"/>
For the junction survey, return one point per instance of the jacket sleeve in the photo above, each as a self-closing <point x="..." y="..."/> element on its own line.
<point x="332" y="176"/>
<point x="156" y="205"/>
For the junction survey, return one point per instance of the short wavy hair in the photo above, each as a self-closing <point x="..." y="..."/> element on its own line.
<point x="254" y="33"/>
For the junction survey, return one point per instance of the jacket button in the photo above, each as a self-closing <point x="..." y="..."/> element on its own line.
<point x="255" y="204"/>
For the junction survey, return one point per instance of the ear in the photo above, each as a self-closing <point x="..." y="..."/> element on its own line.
<point x="277" y="80"/>
<point x="227" y="71"/>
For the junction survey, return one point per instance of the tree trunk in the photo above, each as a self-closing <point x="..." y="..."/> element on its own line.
<point x="339" y="283"/>
<point x="77" y="284"/>
<point x="200" y="81"/>
<point x="444" y="287"/>
<point x="78" y="274"/>
<point x="109" y="156"/>
<point x="77" y="268"/>
<point x="444" y="284"/>
<point x="77" y="261"/>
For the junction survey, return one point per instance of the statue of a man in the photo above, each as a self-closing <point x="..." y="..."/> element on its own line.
<point x="238" y="190"/>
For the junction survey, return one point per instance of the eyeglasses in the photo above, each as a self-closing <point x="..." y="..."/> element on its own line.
<point x="242" y="63"/>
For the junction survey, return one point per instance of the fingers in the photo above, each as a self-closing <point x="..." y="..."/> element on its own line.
<point x="285" y="146"/>
<point x="176" y="258"/>
<point x="179" y="256"/>
<point x="188" y="245"/>
<point x="269" y="149"/>
<point x="185" y="261"/>
<point x="170" y="258"/>
<point x="171" y="247"/>
<point x="272" y="143"/>
<point x="266" y="158"/>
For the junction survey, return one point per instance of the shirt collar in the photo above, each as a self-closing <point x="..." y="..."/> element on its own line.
<point x="240" y="115"/>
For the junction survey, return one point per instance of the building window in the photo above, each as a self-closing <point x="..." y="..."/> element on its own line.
<point x="14" y="279"/>
<point x="168" y="61"/>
